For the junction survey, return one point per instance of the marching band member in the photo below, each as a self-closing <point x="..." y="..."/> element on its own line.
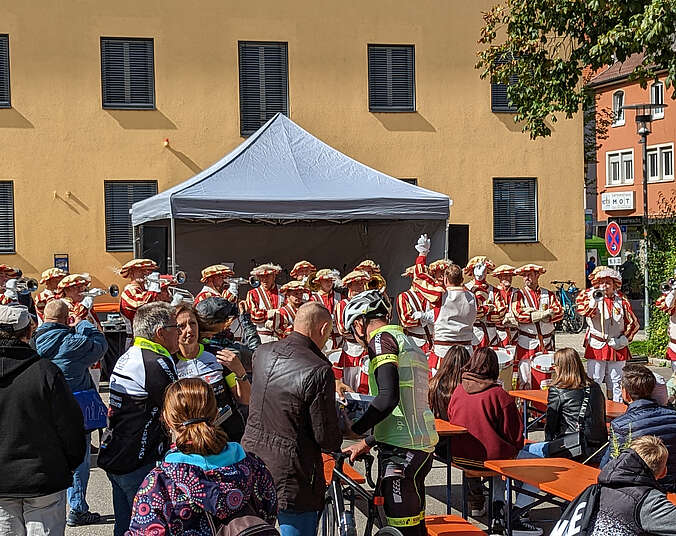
<point x="368" y="266"/>
<point x="262" y="302"/>
<point x="505" y="326"/>
<point x="437" y="269"/>
<point x="667" y="303"/>
<point x="50" y="278"/>
<point x="71" y="289"/>
<point x="416" y="315"/>
<point x="611" y="325"/>
<point x="216" y="285"/>
<point x="6" y="273"/>
<point x="376" y="280"/>
<point x="352" y="365"/>
<point x="303" y="271"/>
<point x="454" y="306"/>
<point x="536" y="310"/>
<point x="294" y="293"/>
<point x="327" y="295"/>
<point x="490" y="307"/>
<point x="135" y="293"/>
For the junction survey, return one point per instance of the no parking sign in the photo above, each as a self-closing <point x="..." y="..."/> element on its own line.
<point x="613" y="239"/>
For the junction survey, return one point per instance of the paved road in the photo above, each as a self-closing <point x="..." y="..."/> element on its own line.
<point x="100" y="500"/>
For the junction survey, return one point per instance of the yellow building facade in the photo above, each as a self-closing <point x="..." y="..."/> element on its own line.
<point x="59" y="144"/>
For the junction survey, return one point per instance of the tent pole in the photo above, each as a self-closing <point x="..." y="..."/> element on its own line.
<point x="173" y="245"/>
<point x="446" y="243"/>
<point x="134" y="241"/>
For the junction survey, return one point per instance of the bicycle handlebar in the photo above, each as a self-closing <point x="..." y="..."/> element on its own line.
<point x="341" y="457"/>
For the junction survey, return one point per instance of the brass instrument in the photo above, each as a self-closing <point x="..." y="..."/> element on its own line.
<point x="186" y="295"/>
<point x="177" y="279"/>
<point x="253" y="281"/>
<point x="26" y="285"/>
<point x="377" y="282"/>
<point x="597" y="295"/>
<point x="668" y="286"/>
<point x="113" y="290"/>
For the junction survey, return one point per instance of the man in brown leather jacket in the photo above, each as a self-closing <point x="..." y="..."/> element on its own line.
<point x="292" y="417"/>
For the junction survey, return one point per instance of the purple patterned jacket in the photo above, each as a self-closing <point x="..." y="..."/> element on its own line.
<point x="175" y="497"/>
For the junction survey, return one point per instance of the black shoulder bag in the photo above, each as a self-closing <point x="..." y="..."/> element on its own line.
<point x="571" y="445"/>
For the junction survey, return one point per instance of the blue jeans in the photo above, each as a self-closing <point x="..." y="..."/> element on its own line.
<point x="298" y="523"/>
<point x="537" y="450"/>
<point x="77" y="493"/>
<point x="124" y="491"/>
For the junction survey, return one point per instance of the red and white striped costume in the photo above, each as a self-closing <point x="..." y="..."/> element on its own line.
<point x="42" y="299"/>
<point x="490" y="309"/>
<point x="667" y="303"/>
<point x="534" y="337"/>
<point x="77" y="312"/>
<point x="330" y="300"/>
<point x="506" y="334"/>
<point x="5" y="300"/>
<point x="353" y="365"/>
<point x="209" y="292"/>
<point x="607" y="319"/>
<point x="134" y="296"/>
<point x="456" y="331"/>
<point x="259" y="303"/>
<point x="409" y="302"/>
<point x="283" y="321"/>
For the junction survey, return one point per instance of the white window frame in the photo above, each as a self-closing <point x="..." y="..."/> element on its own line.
<point x="657" y="113"/>
<point x="620" y="155"/>
<point x="660" y="151"/>
<point x="618" y="114"/>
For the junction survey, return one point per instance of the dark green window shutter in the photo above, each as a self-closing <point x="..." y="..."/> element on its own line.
<point x="515" y="210"/>
<point x="127" y="73"/>
<point x="7" y="244"/>
<point x="263" y="83"/>
<point x="391" y="78"/>
<point x="499" y="100"/>
<point x="120" y="196"/>
<point x="4" y="72"/>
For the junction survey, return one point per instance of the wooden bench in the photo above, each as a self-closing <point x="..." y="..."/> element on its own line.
<point x="348" y="470"/>
<point x="448" y="524"/>
<point x="468" y="472"/>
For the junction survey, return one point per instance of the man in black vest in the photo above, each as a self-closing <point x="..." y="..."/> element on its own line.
<point x="135" y="438"/>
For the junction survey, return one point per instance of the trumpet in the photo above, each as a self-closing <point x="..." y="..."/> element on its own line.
<point x="25" y="285"/>
<point x="156" y="278"/>
<point x="253" y="281"/>
<point x="377" y="282"/>
<point x="185" y="295"/>
<point x="597" y="295"/>
<point x="113" y="290"/>
<point x="668" y="286"/>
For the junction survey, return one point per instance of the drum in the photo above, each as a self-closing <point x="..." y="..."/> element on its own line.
<point x="506" y="363"/>
<point x="542" y="369"/>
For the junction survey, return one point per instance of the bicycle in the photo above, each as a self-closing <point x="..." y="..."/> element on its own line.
<point x="336" y="515"/>
<point x="572" y="321"/>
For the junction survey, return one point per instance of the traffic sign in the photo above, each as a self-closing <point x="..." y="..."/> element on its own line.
<point x="613" y="239"/>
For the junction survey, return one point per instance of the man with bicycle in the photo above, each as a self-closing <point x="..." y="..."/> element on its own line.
<point x="402" y="422"/>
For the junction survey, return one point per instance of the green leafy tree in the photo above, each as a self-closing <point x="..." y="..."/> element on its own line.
<point x="547" y="50"/>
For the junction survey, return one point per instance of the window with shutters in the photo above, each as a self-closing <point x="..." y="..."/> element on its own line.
<point x="515" y="217"/>
<point x="618" y="110"/>
<point x="4" y="71"/>
<point x="391" y="78"/>
<point x="620" y="167"/>
<point x="120" y="196"/>
<point x="657" y="97"/>
<point x="499" y="99"/>
<point x="7" y="217"/>
<point x="127" y="73"/>
<point x="263" y="83"/>
<point x="661" y="163"/>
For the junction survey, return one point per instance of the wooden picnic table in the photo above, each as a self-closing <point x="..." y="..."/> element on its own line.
<point x="447" y="430"/>
<point x="613" y="409"/>
<point x="330" y="463"/>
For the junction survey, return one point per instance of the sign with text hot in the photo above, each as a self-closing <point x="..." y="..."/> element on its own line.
<point x="617" y="201"/>
<point x="613" y="239"/>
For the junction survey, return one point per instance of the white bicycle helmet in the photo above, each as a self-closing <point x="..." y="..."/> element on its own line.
<point x="370" y="303"/>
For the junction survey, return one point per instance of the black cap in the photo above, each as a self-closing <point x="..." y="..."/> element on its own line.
<point x="216" y="309"/>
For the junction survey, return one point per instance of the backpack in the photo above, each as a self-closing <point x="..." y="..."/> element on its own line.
<point x="577" y="518"/>
<point x="248" y="524"/>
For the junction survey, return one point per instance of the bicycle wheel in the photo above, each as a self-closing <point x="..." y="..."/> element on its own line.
<point x="576" y="323"/>
<point x="328" y="521"/>
<point x="389" y="531"/>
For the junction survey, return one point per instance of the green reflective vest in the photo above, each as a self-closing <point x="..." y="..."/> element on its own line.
<point x="411" y="424"/>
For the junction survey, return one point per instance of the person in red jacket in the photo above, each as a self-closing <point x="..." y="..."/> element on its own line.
<point x="494" y="426"/>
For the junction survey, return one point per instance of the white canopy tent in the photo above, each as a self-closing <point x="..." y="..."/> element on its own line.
<point x="283" y="195"/>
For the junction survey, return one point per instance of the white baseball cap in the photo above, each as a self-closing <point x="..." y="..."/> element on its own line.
<point x="14" y="317"/>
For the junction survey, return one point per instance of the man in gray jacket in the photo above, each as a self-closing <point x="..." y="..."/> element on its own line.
<point x="292" y="417"/>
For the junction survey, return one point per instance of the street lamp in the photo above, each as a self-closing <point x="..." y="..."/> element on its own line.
<point x="644" y="121"/>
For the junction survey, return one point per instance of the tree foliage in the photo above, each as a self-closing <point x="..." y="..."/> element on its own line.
<point x="546" y="50"/>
